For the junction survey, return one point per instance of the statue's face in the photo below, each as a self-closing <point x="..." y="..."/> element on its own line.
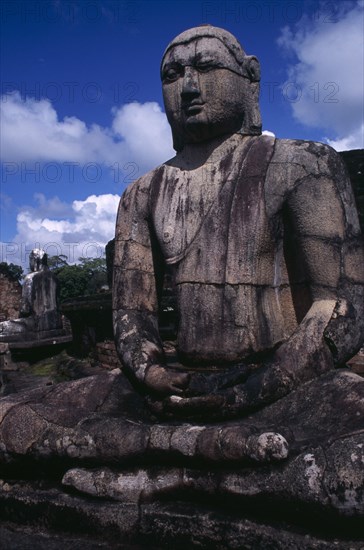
<point x="37" y="258"/>
<point x="32" y="263"/>
<point x="203" y="90"/>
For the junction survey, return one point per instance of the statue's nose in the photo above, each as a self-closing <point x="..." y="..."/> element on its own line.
<point x="191" y="84"/>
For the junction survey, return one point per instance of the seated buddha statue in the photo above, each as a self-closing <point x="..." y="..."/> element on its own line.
<point x="262" y="239"/>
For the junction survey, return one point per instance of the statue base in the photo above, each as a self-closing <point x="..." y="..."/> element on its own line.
<point x="18" y="355"/>
<point x="35" y="516"/>
<point x="130" y="480"/>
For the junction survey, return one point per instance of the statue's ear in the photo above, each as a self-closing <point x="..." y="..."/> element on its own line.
<point x="252" y="124"/>
<point x="252" y="67"/>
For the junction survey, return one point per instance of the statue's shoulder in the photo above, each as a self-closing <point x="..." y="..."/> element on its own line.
<point x="140" y="184"/>
<point x="143" y="184"/>
<point x="135" y="197"/>
<point x="297" y="151"/>
<point x="294" y="161"/>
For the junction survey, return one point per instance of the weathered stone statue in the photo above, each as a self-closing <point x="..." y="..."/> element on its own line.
<point x="39" y="313"/>
<point x="262" y="236"/>
<point x="263" y="240"/>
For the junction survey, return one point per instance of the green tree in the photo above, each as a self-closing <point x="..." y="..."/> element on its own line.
<point x="97" y="272"/>
<point x="73" y="281"/>
<point x="82" y="279"/>
<point x="13" y="271"/>
<point x="57" y="262"/>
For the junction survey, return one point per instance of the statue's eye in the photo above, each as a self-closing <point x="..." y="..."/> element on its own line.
<point x="205" y="66"/>
<point x="172" y="73"/>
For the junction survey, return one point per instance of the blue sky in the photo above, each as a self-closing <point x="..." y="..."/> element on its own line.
<point x="82" y="112"/>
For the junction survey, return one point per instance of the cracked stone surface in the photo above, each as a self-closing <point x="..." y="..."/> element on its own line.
<point x="97" y="422"/>
<point x="252" y="415"/>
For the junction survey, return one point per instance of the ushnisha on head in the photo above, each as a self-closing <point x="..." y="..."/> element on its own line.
<point x="37" y="260"/>
<point x="210" y="86"/>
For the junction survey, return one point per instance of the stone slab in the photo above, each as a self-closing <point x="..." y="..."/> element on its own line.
<point x="39" y="343"/>
<point x="45" y="517"/>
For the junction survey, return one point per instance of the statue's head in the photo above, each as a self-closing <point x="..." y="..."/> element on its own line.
<point x="210" y="86"/>
<point x="37" y="259"/>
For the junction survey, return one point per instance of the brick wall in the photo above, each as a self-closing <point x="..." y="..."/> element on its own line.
<point x="106" y="355"/>
<point x="10" y="296"/>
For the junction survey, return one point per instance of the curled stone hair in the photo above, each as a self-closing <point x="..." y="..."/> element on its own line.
<point x="249" y="69"/>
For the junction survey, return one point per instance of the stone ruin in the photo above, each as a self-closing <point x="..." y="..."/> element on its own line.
<point x="10" y="296"/>
<point x="40" y="323"/>
<point x="39" y="309"/>
<point x="247" y="432"/>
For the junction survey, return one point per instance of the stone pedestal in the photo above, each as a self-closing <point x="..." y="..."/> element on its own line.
<point x="45" y="517"/>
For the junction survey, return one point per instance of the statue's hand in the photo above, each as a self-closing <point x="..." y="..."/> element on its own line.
<point x="165" y="381"/>
<point x="210" y="407"/>
<point x="264" y="386"/>
<point x="207" y="383"/>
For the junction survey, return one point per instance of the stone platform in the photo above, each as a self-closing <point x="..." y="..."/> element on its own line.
<point x="19" y="354"/>
<point x="36" y="515"/>
<point x="36" y="511"/>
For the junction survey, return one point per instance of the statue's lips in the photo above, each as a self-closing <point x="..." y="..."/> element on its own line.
<point x="192" y="108"/>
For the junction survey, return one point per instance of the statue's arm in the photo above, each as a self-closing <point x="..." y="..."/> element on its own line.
<point x="319" y="209"/>
<point x="322" y="218"/>
<point x="137" y="280"/>
<point x="321" y="215"/>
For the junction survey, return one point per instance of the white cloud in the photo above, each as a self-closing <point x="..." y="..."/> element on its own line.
<point x="145" y="131"/>
<point x="32" y="131"/>
<point x="81" y="228"/>
<point x="328" y="72"/>
<point x="353" y="141"/>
